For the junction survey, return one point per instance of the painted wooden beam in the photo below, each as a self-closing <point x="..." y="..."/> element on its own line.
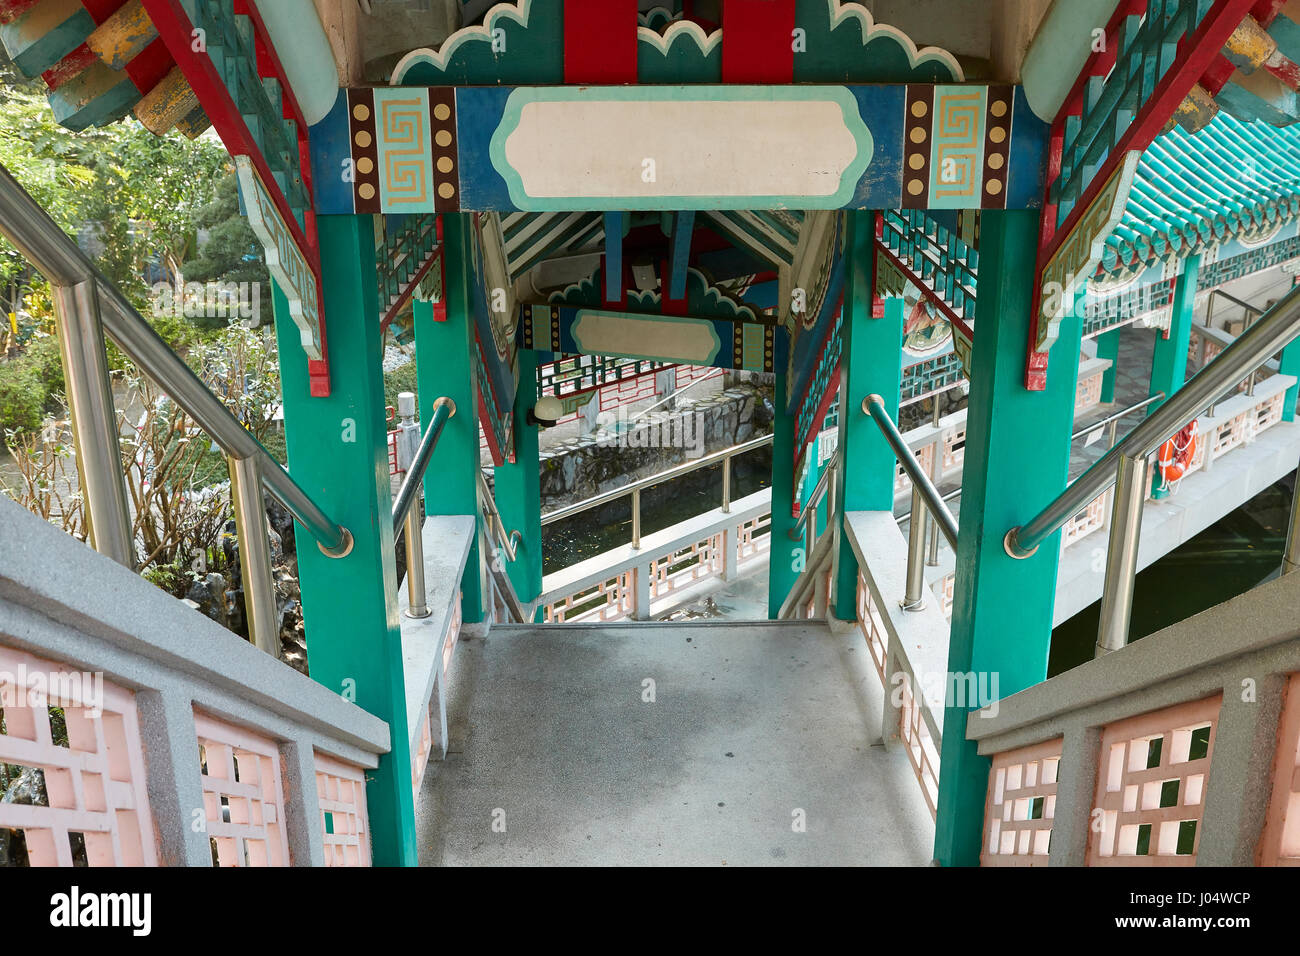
<point x="665" y="337"/>
<point x="122" y="36"/>
<point x="93" y="97"/>
<point x="613" y="289"/>
<point x="600" y="38"/>
<point x="167" y="103"/>
<point x="672" y="148"/>
<point x="679" y="253"/>
<point x="44" y="33"/>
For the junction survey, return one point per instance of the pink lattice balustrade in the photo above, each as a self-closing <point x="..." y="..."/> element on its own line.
<point x="95" y="784"/>
<point x="921" y="748"/>
<point x="925" y="456"/>
<point x="243" y="794"/>
<point x="954" y="448"/>
<point x="1021" y="805"/>
<point x="1086" y="521"/>
<point x="872" y="626"/>
<point x="687" y="565"/>
<point x="1279" y="845"/>
<point x="345" y="825"/>
<point x="1088" y="392"/>
<point x="609" y="600"/>
<point x="1151" y="784"/>
<point x="753" y="539"/>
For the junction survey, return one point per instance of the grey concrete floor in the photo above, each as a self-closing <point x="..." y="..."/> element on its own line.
<point x="752" y="728"/>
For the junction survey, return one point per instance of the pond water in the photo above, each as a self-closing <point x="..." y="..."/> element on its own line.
<point x="1231" y="556"/>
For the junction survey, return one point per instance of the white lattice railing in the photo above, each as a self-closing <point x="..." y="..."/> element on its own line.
<point x="671" y="568"/>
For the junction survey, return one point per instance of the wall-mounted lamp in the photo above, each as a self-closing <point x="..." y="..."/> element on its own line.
<point x="546" y="412"/>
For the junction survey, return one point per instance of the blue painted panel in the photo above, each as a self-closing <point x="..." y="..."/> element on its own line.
<point x="330" y="152"/>
<point x="870" y="143"/>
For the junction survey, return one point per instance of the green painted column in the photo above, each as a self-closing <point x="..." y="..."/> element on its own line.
<point x="787" y="559"/>
<point x="518" y="487"/>
<point x="1108" y="348"/>
<point x="338" y="452"/>
<point x="1290" y="365"/>
<point x="871" y="361"/>
<point x="1017" y="460"/>
<point x="444" y="356"/>
<point x="1169" y="363"/>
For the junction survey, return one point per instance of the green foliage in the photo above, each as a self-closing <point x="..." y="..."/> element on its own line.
<point x="139" y="198"/>
<point x="29" y="385"/>
<point x="399" y="380"/>
<point x="173" y="578"/>
<point x="231" y="252"/>
<point x="22" y="399"/>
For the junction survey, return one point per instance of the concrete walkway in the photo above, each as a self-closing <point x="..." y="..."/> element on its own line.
<point x="753" y="727"/>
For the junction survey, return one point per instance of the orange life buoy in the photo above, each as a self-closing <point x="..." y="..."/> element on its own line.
<point x="1176" y="454"/>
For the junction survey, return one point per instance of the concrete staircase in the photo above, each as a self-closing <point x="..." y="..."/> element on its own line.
<point x="676" y="744"/>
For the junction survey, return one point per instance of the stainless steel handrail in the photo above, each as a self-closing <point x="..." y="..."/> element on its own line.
<point x="1122" y="413"/>
<point x="814" y="500"/>
<point x="24" y="223"/>
<point x="874" y="406"/>
<point x="443" y="409"/>
<point x="925" y="497"/>
<point x="1278" y="326"/>
<point x="406" y="515"/>
<point x="508" y="541"/>
<point x="635" y="487"/>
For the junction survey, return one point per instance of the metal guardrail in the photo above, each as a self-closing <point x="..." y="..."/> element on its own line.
<point x="1124" y="465"/>
<point x="87" y="305"/>
<point x="405" y="514"/>
<point x="636" y="487"/>
<point x="925" y="500"/>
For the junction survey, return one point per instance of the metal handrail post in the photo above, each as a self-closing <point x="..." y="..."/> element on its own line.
<point x="726" y="485"/>
<point x="443" y="409"/>
<point x="408" y="517"/>
<point x="1122" y="555"/>
<point x="416" y="593"/>
<point x="1291" y="555"/>
<point x="636" y="519"/>
<point x="94" y="420"/>
<point x="914" y="597"/>
<point x="254" y="554"/>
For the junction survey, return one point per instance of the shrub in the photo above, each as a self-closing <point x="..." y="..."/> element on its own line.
<point x="22" y="397"/>
<point x="399" y="380"/>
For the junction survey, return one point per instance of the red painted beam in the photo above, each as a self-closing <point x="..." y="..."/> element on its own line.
<point x="600" y="41"/>
<point x="177" y="32"/>
<point x="757" y="41"/>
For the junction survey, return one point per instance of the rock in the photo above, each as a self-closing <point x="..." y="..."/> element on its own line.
<point x="209" y="595"/>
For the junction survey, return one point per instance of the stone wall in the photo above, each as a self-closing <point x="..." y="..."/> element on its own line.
<point x="581" y="467"/>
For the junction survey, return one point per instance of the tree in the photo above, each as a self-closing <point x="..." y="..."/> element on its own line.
<point x="231" y="252"/>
